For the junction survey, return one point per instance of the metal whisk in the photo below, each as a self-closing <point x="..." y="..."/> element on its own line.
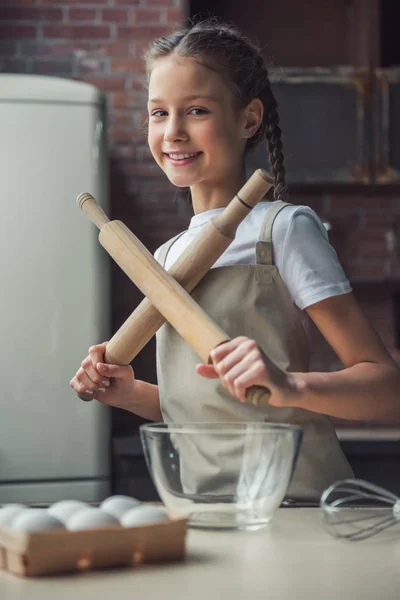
<point x="355" y="509"/>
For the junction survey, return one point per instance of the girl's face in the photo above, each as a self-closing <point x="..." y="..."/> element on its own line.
<point x="195" y="133"/>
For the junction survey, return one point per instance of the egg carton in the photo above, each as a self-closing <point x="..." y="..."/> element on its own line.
<point x="35" y="553"/>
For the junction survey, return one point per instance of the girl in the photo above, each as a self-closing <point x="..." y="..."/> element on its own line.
<point x="210" y="102"/>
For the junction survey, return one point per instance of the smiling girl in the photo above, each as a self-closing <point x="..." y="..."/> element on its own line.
<point x="210" y="102"/>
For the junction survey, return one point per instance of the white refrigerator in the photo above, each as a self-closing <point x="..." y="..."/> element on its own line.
<point x="54" y="289"/>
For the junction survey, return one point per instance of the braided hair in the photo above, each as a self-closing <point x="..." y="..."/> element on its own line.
<point x="222" y="48"/>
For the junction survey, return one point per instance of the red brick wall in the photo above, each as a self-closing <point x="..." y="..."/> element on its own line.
<point x="361" y="219"/>
<point x="101" y="41"/>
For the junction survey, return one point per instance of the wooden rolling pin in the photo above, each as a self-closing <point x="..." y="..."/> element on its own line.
<point x="189" y="269"/>
<point x="166" y="294"/>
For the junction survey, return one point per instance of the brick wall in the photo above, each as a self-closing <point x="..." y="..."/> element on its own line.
<point x="362" y="219"/>
<point x="101" y="42"/>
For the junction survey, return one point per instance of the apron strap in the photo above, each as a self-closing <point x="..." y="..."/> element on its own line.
<point x="264" y="250"/>
<point x="166" y="247"/>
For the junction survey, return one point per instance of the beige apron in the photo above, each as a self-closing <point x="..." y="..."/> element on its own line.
<point x="249" y="300"/>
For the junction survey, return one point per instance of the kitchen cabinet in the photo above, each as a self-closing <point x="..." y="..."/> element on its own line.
<point x="326" y="125"/>
<point x="374" y="454"/>
<point x="339" y="125"/>
<point x="387" y="125"/>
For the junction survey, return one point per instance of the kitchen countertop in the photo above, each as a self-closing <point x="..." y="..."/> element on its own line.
<point x="294" y="558"/>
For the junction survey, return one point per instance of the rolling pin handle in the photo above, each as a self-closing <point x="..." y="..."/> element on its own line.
<point x="85" y="397"/>
<point x="266" y="176"/>
<point x="259" y="396"/>
<point x="92" y="209"/>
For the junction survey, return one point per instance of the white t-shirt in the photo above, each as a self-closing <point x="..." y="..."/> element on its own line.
<point x="303" y="255"/>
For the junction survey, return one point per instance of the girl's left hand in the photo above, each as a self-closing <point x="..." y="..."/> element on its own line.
<point x="240" y="364"/>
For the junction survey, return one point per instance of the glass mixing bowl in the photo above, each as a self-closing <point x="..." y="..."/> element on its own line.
<point x="221" y="475"/>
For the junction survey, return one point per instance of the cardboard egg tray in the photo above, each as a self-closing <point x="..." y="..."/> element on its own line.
<point x="36" y="553"/>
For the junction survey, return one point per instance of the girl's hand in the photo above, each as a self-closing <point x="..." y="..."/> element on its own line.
<point x="112" y="385"/>
<point x="240" y="364"/>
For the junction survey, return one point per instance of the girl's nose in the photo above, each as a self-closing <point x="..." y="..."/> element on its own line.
<point x="175" y="131"/>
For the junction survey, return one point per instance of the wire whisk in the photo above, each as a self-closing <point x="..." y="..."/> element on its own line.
<point x="355" y="509"/>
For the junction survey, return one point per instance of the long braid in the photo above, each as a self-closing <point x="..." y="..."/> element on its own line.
<point x="274" y="138"/>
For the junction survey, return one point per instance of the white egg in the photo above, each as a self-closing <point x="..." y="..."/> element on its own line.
<point x="64" y="509"/>
<point x="35" y="519"/>
<point x="143" y="515"/>
<point x="90" y="518"/>
<point x="9" y="512"/>
<point x="118" y="505"/>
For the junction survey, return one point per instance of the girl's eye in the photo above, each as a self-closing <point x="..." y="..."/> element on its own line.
<point x="198" y="111"/>
<point x="158" y="113"/>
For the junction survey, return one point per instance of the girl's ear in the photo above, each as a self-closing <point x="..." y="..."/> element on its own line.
<point x="253" y="115"/>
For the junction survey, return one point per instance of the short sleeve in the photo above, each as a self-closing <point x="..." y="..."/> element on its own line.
<point x="305" y="258"/>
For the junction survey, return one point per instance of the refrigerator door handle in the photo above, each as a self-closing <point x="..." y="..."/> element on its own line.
<point x="98" y="132"/>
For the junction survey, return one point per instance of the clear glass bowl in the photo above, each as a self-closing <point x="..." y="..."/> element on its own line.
<point x="221" y="475"/>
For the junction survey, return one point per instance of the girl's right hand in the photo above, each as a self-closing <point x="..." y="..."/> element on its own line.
<point x="112" y="385"/>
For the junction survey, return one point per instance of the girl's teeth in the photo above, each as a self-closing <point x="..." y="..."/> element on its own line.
<point x="182" y="156"/>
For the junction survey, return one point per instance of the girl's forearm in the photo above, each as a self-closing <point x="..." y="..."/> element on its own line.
<point x="365" y="392"/>
<point x="146" y="401"/>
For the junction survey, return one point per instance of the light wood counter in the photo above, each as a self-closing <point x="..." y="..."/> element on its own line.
<point x="295" y="558"/>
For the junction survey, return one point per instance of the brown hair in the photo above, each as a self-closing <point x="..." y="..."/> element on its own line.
<point x="222" y="48"/>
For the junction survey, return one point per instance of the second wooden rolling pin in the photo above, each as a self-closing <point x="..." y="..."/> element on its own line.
<point x="160" y="288"/>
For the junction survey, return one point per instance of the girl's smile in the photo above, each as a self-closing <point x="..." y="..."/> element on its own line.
<point x="179" y="159"/>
